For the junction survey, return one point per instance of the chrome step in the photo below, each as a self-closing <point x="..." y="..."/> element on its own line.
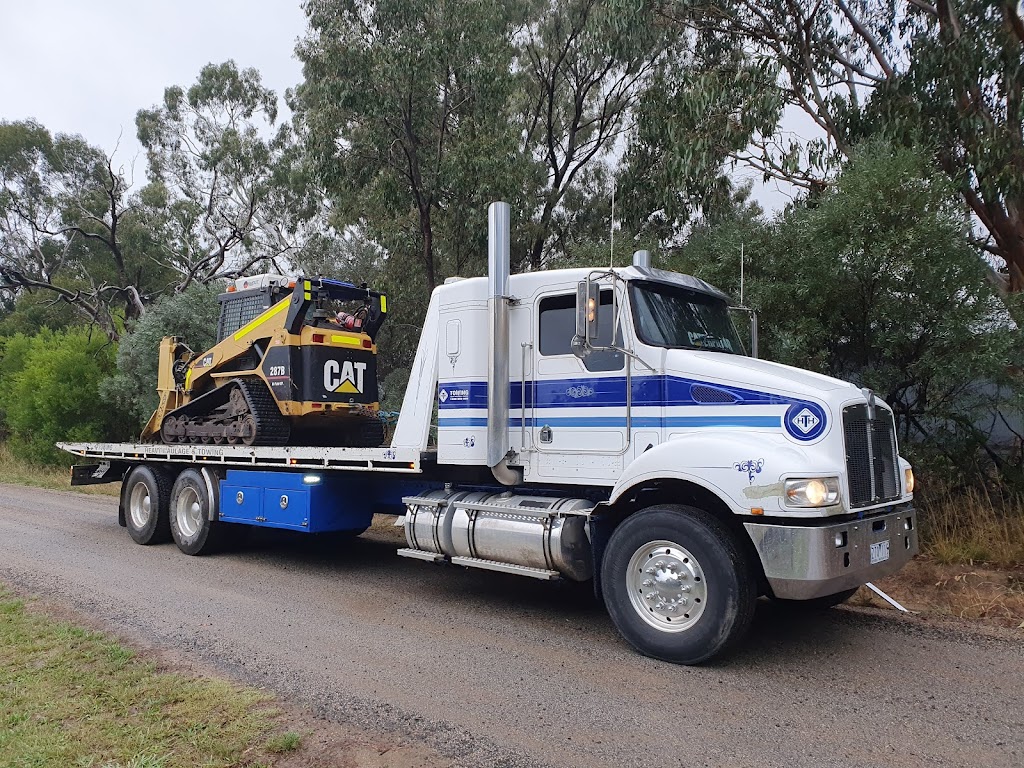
<point x="421" y="554"/>
<point x="494" y="565"/>
<point x="519" y="511"/>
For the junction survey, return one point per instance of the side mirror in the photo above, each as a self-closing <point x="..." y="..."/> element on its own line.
<point x="588" y="309"/>
<point x="752" y="319"/>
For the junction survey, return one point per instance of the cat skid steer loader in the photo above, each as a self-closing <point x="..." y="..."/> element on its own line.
<point x="295" y="363"/>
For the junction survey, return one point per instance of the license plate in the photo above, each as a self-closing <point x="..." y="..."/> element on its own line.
<point x="879" y="552"/>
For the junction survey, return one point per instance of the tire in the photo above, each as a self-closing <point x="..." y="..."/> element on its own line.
<point x="677" y="585"/>
<point x="191" y="527"/>
<point x="817" y="603"/>
<point x="146" y="498"/>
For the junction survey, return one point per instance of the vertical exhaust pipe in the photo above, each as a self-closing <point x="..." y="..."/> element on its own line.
<point x="498" y="261"/>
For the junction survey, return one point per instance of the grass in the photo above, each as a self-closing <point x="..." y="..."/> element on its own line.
<point x="72" y="697"/>
<point x="974" y="529"/>
<point x="284" y="742"/>
<point x="20" y="472"/>
<point x="988" y="596"/>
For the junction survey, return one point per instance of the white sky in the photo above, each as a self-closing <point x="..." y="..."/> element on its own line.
<point x="87" y="66"/>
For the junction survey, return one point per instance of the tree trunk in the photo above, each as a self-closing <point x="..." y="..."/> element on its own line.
<point x="427" y="233"/>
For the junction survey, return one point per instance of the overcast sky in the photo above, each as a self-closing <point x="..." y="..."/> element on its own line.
<point x="87" y="66"/>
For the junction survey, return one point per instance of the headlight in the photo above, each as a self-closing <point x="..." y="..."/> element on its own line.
<point x="908" y="480"/>
<point x="812" y="492"/>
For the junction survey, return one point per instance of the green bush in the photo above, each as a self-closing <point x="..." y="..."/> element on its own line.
<point x="192" y="315"/>
<point x="49" y="391"/>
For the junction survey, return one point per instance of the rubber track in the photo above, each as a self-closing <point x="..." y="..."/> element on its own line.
<point x="271" y="427"/>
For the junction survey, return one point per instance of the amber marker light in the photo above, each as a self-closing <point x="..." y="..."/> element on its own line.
<point x="756" y="511"/>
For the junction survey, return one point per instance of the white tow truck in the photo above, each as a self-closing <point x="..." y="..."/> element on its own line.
<point x="591" y="424"/>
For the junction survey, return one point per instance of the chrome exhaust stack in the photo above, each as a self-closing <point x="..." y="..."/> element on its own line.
<point x="498" y="267"/>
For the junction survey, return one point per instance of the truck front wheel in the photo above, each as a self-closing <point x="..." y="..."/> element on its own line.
<point x="193" y="530"/>
<point x="677" y="585"/>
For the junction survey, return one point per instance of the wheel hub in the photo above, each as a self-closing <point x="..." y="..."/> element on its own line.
<point x="666" y="586"/>
<point x="140" y="505"/>
<point x="189" y="513"/>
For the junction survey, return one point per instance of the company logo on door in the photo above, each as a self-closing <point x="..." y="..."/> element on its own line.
<point x="455" y="395"/>
<point x="344" y="377"/>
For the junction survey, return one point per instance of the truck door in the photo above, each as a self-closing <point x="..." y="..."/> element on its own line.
<point x="578" y="413"/>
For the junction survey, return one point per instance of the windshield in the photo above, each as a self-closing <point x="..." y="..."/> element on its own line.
<point x="677" y="318"/>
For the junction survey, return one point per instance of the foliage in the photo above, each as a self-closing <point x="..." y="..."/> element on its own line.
<point x="29" y="313"/>
<point x="68" y="229"/>
<point x="962" y="97"/>
<point x="49" y="391"/>
<point x="404" y="107"/>
<point x="586" y="65"/>
<point x="192" y="315"/>
<point x="945" y="76"/>
<point x="214" y="176"/>
<point x="874" y="282"/>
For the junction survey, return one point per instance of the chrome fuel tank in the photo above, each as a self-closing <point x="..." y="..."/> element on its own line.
<point x="533" y="531"/>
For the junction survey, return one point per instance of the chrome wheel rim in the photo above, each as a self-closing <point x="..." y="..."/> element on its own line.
<point x="140" y="505"/>
<point x="188" y="512"/>
<point x="666" y="586"/>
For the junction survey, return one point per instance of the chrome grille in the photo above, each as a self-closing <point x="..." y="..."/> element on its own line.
<point x="872" y="466"/>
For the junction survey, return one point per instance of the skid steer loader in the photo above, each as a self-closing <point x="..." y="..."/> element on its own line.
<point x="295" y="363"/>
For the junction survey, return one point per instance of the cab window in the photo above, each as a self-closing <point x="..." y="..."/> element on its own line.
<point x="558" y="326"/>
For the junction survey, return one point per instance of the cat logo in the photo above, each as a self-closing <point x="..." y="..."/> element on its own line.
<point x="344" y="377"/>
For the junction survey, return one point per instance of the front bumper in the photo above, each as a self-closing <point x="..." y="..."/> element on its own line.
<point x="804" y="562"/>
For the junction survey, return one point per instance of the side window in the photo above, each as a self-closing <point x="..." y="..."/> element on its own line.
<point x="558" y="326"/>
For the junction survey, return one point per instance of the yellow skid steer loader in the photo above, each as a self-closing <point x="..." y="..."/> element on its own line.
<point x="295" y="363"/>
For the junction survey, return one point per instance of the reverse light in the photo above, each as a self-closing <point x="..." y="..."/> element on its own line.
<point x="908" y="480"/>
<point x="812" y="492"/>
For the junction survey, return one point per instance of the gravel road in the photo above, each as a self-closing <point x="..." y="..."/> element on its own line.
<point x="496" y="670"/>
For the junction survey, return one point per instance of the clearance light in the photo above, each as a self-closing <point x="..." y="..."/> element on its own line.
<point x="908" y="481"/>
<point x="318" y="338"/>
<point x="812" y="492"/>
<point x="311" y="479"/>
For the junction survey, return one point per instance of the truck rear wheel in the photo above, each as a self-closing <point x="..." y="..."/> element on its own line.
<point x="191" y="504"/>
<point x="145" y="498"/>
<point x="677" y="585"/>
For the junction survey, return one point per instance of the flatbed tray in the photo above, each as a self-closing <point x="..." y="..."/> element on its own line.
<point x="386" y="459"/>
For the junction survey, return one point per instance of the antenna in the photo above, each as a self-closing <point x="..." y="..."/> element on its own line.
<point x="611" y="258"/>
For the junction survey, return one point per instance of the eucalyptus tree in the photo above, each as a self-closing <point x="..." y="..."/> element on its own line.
<point x="585" y="64"/>
<point x="404" y="108"/>
<point x="944" y="75"/>
<point x="69" y="228"/>
<point x="217" y="161"/>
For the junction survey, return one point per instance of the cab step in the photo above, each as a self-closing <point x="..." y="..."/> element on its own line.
<point x="519" y="570"/>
